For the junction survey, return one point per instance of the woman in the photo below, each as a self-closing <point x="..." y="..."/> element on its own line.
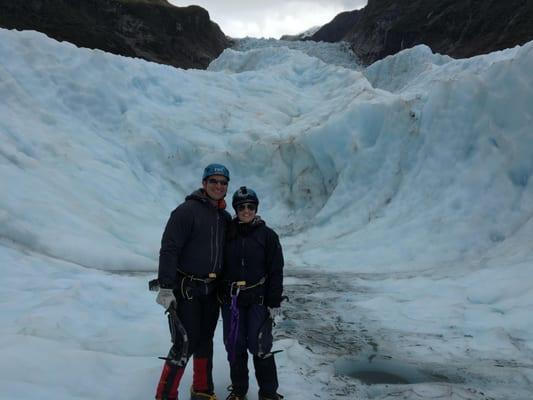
<point x="252" y="285"/>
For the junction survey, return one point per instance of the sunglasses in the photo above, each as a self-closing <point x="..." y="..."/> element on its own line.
<point x="249" y="206"/>
<point x="214" y="181"/>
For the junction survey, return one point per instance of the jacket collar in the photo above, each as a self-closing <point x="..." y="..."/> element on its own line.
<point x="201" y="196"/>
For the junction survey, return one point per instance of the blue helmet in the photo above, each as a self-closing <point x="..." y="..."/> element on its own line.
<point x="215" y="169"/>
<point x="244" y="195"/>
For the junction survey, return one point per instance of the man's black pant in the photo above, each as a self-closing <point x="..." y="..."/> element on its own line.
<point x="253" y="319"/>
<point x="199" y="317"/>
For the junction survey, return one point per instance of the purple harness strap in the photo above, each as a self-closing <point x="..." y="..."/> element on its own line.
<point x="234" y="326"/>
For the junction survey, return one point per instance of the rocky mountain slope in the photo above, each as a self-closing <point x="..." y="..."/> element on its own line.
<point x="459" y="28"/>
<point x="150" y="29"/>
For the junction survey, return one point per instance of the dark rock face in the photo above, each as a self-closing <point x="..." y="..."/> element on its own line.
<point x="150" y="29"/>
<point x="458" y="28"/>
<point x="338" y="28"/>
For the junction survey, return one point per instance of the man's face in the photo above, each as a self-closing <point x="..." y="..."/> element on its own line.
<point x="215" y="186"/>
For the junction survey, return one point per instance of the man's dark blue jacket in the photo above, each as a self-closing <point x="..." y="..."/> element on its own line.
<point x="193" y="240"/>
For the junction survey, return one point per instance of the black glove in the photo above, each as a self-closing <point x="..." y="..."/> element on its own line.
<point x="273" y="302"/>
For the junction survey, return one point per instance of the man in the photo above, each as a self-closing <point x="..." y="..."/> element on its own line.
<point x="190" y="260"/>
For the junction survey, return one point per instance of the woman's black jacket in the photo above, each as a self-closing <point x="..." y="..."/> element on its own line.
<point x="253" y="252"/>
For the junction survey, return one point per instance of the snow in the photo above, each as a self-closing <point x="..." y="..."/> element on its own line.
<point x="401" y="192"/>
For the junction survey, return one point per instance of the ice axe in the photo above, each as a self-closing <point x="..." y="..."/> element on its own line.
<point x="178" y="354"/>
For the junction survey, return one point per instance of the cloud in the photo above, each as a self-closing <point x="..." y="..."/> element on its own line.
<point x="239" y="18"/>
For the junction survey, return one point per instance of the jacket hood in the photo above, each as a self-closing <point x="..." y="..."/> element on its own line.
<point x="236" y="227"/>
<point x="201" y="196"/>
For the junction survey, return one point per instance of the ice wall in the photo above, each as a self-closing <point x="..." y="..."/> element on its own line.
<point x="418" y="161"/>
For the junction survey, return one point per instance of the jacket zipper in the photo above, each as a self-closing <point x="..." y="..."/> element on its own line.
<point x="211" y="245"/>
<point x="242" y="253"/>
<point x="216" y="243"/>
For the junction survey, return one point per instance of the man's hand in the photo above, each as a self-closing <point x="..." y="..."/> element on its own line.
<point x="165" y="297"/>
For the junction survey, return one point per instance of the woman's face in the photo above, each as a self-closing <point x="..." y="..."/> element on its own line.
<point x="246" y="212"/>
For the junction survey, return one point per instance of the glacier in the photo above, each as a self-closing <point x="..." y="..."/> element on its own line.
<point x="401" y="192"/>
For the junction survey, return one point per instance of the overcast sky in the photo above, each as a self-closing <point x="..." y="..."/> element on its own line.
<point x="271" y="18"/>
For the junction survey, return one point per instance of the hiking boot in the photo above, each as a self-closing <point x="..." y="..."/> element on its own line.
<point x="202" y="395"/>
<point x="234" y="395"/>
<point x="275" y="396"/>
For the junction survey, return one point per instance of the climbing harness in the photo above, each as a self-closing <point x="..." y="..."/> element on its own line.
<point x="191" y="285"/>
<point x="235" y="289"/>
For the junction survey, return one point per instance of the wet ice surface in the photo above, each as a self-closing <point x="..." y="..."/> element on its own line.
<point x="375" y="362"/>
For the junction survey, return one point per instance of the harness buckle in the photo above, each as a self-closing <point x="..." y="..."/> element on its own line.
<point x="236" y="287"/>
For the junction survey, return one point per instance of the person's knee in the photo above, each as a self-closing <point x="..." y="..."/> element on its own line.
<point x="204" y="349"/>
<point x="203" y="339"/>
<point x="239" y="347"/>
<point x="253" y="347"/>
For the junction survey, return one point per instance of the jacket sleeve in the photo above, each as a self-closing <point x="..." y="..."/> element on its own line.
<point x="175" y="236"/>
<point x="274" y="282"/>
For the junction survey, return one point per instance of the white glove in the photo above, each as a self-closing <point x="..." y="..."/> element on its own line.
<point x="274" y="312"/>
<point x="165" y="297"/>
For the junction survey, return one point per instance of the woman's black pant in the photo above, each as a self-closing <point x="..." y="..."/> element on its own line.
<point x="253" y="320"/>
